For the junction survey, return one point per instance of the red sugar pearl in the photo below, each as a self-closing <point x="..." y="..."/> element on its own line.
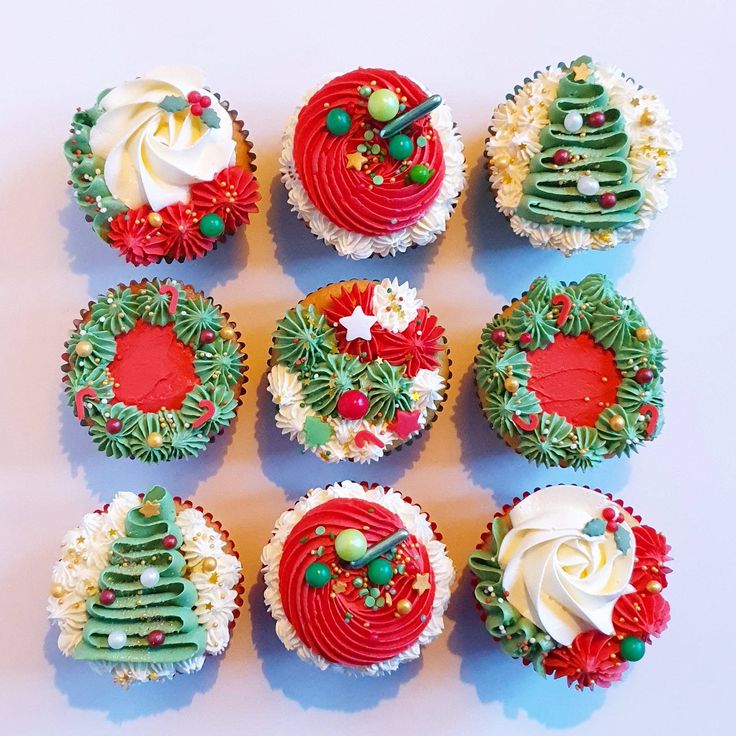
<point x="607" y="200"/>
<point x="193" y="97"/>
<point x="644" y="375"/>
<point x="205" y="101"/>
<point x="206" y="337"/>
<point x="156" y="638"/>
<point x="498" y="336"/>
<point x="596" y="119"/>
<point x="169" y="541"/>
<point x="561" y="157"/>
<point x="525" y="338"/>
<point x="113" y="426"/>
<point x="353" y="405"/>
<point x="107" y="596"/>
<point x="609" y="513"/>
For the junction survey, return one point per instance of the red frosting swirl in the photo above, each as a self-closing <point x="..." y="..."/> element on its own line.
<point x="346" y="196"/>
<point x="333" y="621"/>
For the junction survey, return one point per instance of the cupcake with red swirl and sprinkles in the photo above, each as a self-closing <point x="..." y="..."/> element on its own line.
<point x="357" y="578"/>
<point x="162" y="167"/>
<point x="373" y="164"/>
<point x="570" y="581"/>
<point x="358" y="368"/>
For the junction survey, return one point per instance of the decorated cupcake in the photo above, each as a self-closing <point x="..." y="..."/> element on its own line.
<point x="570" y="581"/>
<point x="358" y="368"/>
<point x="570" y="375"/>
<point x="357" y="578"/>
<point x="146" y="588"/>
<point x="579" y="157"/>
<point x="155" y="370"/>
<point x="373" y="164"/>
<point x="161" y="167"/>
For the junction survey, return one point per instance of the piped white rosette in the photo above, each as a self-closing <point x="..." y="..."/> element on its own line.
<point x="394" y="305"/>
<point x="561" y="568"/>
<point x="415" y="522"/>
<point x="85" y="552"/>
<point x="357" y="245"/>
<point x="514" y="141"/>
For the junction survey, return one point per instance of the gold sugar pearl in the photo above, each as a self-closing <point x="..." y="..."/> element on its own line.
<point x="648" y="118"/>
<point x="209" y="564"/>
<point x="403" y="607"/>
<point x="57" y="590"/>
<point x="654" y="586"/>
<point x="511" y="384"/>
<point x="227" y="333"/>
<point x="643" y="333"/>
<point x="83" y="348"/>
<point x="154" y="440"/>
<point x="617" y="422"/>
<point x="154" y="219"/>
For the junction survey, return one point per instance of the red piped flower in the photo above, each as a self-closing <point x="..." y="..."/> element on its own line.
<point x="184" y="240"/>
<point x="591" y="660"/>
<point x="139" y="242"/>
<point x="232" y="195"/>
<point x="344" y="305"/>
<point x="652" y="552"/>
<point x="416" y="347"/>
<point x="642" y="616"/>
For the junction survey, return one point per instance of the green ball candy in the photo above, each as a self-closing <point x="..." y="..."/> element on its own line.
<point x="632" y="649"/>
<point x="350" y="545"/>
<point x="380" y="571"/>
<point x="338" y="121"/>
<point x="211" y="226"/>
<point x="383" y="105"/>
<point x="420" y="174"/>
<point x="317" y="575"/>
<point x="401" y="147"/>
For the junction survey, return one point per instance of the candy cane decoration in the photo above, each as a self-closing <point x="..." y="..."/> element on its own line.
<point x="173" y="292"/>
<point x="565" y="304"/>
<point x="653" y="417"/>
<point x="364" y="436"/>
<point x="207" y="414"/>
<point x="528" y="426"/>
<point x="79" y="398"/>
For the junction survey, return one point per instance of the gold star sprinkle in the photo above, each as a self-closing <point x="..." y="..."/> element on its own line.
<point x="339" y="587"/>
<point x="149" y="509"/>
<point x="581" y="72"/>
<point x="421" y="582"/>
<point x="356" y="160"/>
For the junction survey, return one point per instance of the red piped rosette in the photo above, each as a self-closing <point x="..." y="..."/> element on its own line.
<point x="351" y="622"/>
<point x="594" y="658"/>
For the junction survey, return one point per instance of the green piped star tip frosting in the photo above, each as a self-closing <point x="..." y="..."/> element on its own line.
<point x="571" y="374"/>
<point x="579" y="157"/>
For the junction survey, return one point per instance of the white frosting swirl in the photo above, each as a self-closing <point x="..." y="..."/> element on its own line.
<point x="564" y="580"/>
<point x="395" y="305"/>
<point x="153" y="156"/>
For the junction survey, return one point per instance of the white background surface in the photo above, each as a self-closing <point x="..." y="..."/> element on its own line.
<point x="57" y="55"/>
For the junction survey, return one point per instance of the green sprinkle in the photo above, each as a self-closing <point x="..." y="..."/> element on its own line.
<point x="369" y="601"/>
<point x="332" y="535"/>
<point x="357" y="582"/>
<point x="348" y="615"/>
<point x="378" y="180"/>
<point x="362" y="147"/>
<point x="364" y="91"/>
<point x="304" y="539"/>
<point x="363" y="593"/>
<point x="401" y="568"/>
<point x="368" y="135"/>
<point x="421" y="141"/>
<point x="320" y="551"/>
<point x="371" y="510"/>
<point x="402" y="107"/>
<point x="319" y="531"/>
<point x="375" y="592"/>
<point x="375" y="148"/>
<point x="380" y="602"/>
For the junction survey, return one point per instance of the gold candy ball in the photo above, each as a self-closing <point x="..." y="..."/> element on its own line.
<point x="654" y="586"/>
<point x="648" y="118"/>
<point x="403" y="606"/>
<point x="154" y="440"/>
<point x="154" y="219"/>
<point x="501" y="160"/>
<point x="511" y="384"/>
<point x="227" y="333"/>
<point x="643" y="333"/>
<point x="83" y="348"/>
<point x="209" y="564"/>
<point x="57" y="590"/>
<point x="617" y="422"/>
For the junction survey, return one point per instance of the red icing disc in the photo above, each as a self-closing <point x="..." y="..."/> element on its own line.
<point x="154" y="369"/>
<point x="349" y="197"/>
<point x="575" y="378"/>
<point x="335" y="627"/>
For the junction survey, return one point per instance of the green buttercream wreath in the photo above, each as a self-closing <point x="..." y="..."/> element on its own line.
<point x="503" y="371"/>
<point x="122" y="430"/>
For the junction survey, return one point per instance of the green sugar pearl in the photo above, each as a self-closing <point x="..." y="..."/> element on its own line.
<point x="317" y="575"/>
<point x="383" y="105"/>
<point x="350" y="545"/>
<point x="420" y="174"/>
<point x="380" y="571"/>
<point x="401" y="147"/>
<point x="632" y="649"/>
<point x="338" y="121"/>
<point x="211" y="225"/>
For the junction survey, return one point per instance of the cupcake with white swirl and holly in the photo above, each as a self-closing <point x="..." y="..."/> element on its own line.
<point x="162" y="167"/>
<point x="358" y="368"/>
<point x="570" y="581"/>
<point x="579" y="157"/>
<point x="146" y="588"/>
<point x="373" y="164"/>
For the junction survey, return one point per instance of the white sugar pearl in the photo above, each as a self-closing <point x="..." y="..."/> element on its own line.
<point x="588" y="186"/>
<point x="573" y="122"/>
<point x="149" y="577"/>
<point x="117" y="639"/>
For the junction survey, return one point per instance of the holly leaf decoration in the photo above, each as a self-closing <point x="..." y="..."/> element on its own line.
<point x="210" y="118"/>
<point x="316" y="432"/>
<point x="622" y="539"/>
<point x="173" y="103"/>
<point x="594" y="528"/>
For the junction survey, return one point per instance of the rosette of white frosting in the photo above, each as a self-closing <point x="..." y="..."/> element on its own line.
<point x="395" y="305"/>
<point x="563" y="579"/>
<point x="152" y="156"/>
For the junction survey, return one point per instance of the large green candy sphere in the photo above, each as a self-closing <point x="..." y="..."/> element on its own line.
<point x="380" y="571"/>
<point x="419" y="174"/>
<point x="211" y="226"/>
<point x="401" y="147"/>
<point x="383" y="105"/>
<point x="317" y="575"/>
<point x="338" y="121"/>
<point x="350" y="545"/>
<point x="632" y="649"/>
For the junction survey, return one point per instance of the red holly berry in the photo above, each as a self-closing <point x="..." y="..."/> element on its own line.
<point x="498" y="336"/>
<point x="156" y="638"/>
<point x="193" y="97"/>
<point x="206" y="337"/>
<point x="596" y="119"/>
<point x="609" y="513"/>
<point x="592" y="659"/>
<point x="561" y="157"/>
<point x="525" y="338"/>
<point x="113" y="426"/>
<point x="611" y="526"/>
<point x="169" y="541"/>
<point x="607" y="200"/>
<point x="353" y="405"/>
<point x="107" y="596"/>
<point x="644" y="375"/>
<point x="205" y="101"/>
<point x="196" y="109"/>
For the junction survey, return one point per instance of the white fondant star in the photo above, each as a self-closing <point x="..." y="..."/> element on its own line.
<point x="358" y="324"/>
